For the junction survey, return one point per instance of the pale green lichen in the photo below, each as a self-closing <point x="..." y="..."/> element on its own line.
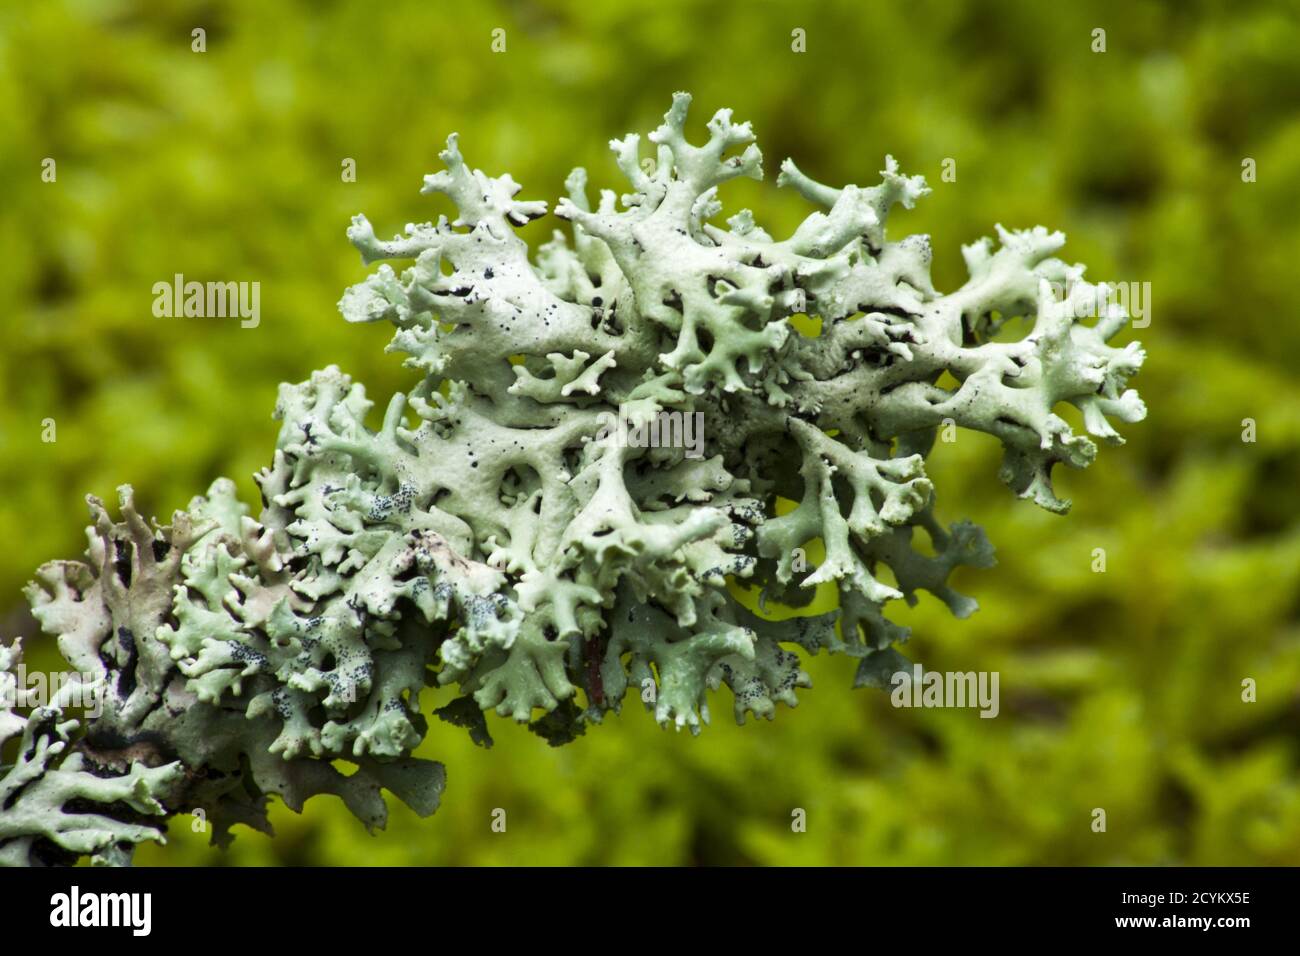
<point x="61" y="803"/>
<point x="498" y="534"/>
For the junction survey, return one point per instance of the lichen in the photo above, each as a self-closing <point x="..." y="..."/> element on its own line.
<point x="58" y="802"/>
<point x="500" y="532"/>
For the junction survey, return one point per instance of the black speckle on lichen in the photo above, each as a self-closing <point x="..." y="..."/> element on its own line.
<point x="122" y="562"/>
<point x="126" y="679"/>
<point x="248" y="655"/>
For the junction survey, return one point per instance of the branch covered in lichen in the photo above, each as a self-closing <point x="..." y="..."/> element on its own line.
<point x="511" y="531"/>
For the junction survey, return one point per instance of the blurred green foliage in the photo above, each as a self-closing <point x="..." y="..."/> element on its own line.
<point x="1120" y="690"/>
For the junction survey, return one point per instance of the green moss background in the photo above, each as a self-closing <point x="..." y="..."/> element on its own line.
<point x="1120" y="690"/>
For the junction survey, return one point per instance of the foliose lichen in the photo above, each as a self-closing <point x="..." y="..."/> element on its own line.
<point x="553" y="517"/>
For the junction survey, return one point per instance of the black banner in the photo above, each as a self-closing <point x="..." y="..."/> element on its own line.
<point x="142" y="907"/>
